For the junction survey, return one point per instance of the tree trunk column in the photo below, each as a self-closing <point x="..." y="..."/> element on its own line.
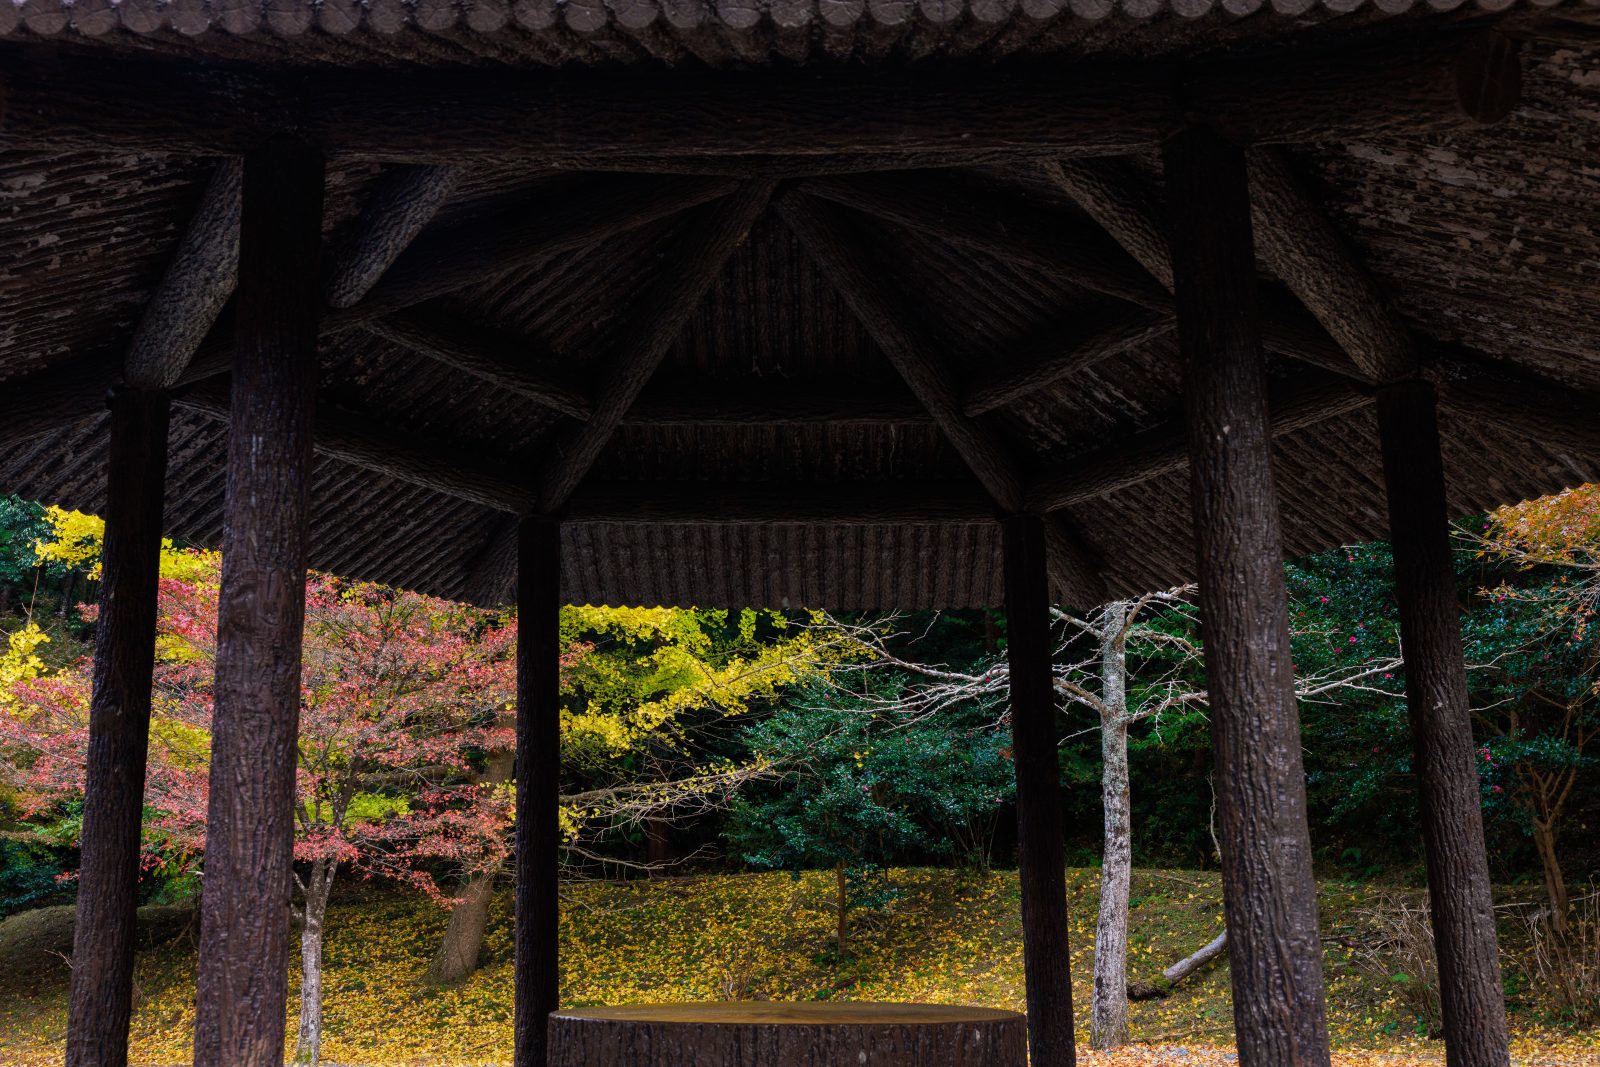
<point x="538" y="971"/>
<point x="1270" y="896"/>
<point x="1436" y="693"/>
<point x="119" y="726"/>
<point x="1041" y="867"/>
<point x="244" y="930"/>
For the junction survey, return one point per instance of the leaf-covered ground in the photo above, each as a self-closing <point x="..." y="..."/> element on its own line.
<point x="950" y="936"/>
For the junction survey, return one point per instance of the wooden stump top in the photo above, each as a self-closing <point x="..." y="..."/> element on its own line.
<point x="809" y="1013"/>
<point x="767" y="1034"/>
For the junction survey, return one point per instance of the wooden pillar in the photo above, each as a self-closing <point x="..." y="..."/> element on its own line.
<point x="119" y="725"/>
<point x="244" y="928"/>
<point x="1034" y="745"/>
<point x="1470" y="989"/>
<point x="538" y="971"/>
<point x="1270" y="897"/>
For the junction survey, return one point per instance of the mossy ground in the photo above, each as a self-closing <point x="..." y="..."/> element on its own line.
<point x="949" y="936"/>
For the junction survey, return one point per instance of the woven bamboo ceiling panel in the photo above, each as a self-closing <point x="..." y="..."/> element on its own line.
<point x="775" y="453"/>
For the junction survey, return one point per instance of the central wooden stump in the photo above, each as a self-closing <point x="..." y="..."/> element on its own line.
<point x="788" y="1035"/>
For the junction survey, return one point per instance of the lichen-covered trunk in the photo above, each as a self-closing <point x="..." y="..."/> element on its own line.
<point x="308" y="1040"/>
<point x="1108" y="1018"/>
<point x="461" y="949"/>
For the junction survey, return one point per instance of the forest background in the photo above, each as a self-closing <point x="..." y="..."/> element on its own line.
<point x="711" y="742"/>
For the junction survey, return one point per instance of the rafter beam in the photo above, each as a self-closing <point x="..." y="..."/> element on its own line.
<point x="1120" y="199"/>
<point x="363" y="442"/>
<point x="1163" y="449"/>
<point x="1105" y="107"/>
<point x="1096" y="335"/>
<point x="685" y="273"/>
<point x="398" y="208"/>
<point x="527" y="231"/>
<point x="897" y="327"/>
<point x="1301" y="245"/>
<point x="198" y="282"/>
<point x="488" y="355"/>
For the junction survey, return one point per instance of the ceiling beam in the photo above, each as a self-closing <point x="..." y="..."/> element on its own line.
<point x="525" y="231"/>
<point x="502" y="360"/>
<point x="1094" y="335"/>
<point x="685" y="273"/>
<point x="1120" y="199"/>
<point x="198" y="282"/>
<point x="999" y="222"/>
<point x="896" y="325"/>
<point x="1113" y="106"/>
<point x="1163" y="449"/>
<point x="364" y="442"/>
<point x="1301" y="245"/>
<point x="402" y="203"/>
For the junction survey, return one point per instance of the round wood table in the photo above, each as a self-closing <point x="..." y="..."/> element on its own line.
<point x="766" y="1034"/>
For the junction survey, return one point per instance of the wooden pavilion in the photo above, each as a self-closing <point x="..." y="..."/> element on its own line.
<point x="846" y="303"/>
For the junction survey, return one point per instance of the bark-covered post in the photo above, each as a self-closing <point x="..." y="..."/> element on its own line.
<point x="244" y="927"/>
<point x="537" y="965"/>
<point x="1040" y="861"/>
<point x="1470" y="989"/>
<point x="119" y="725"/>
<point x="1269" y="895"/>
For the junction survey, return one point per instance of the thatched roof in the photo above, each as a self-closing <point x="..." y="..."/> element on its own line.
<point x="776" y="456"/>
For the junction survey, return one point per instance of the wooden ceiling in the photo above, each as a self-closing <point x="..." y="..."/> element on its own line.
<point x="795" y="335"/>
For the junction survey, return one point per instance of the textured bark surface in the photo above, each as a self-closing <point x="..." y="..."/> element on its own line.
<point x="1269" y="895"/>
<point x="244" y="927"/>
<point x="1470" y="989"/>
<point x="1040" y="863"/>
<point x="198" y="282"/>
<point x="1108" y="1014"/>
<point x="538" y="905"/>
<point x="319" y="887"/>
<point x="403" y="202"/>
<point x="119" y="726"/>
<point x="791" y="1035"/>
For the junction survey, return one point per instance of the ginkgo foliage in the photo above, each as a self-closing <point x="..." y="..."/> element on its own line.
<point x="407" y="704"/>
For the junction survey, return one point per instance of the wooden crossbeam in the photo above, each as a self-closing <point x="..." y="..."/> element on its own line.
<point x="403" y="203"/>
<point x="1120" y="199"/>
<point x="527" y="231"/>
<point x="197" y="284"/>
<point x="502" y="238"/>
<point x="1103" y="107"/>
<point x="1163" y="449"/>
<point x="1001" y="223"/>
<point x="686" y="272"/>
<point x="1096" y="335"/>
<point x="363" y="442"/>
<point x="1301" y="245"/>
<point x="485" y="354"/>
<point x="896" y="326"/>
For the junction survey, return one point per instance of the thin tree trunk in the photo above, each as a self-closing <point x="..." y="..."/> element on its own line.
<point x="461" y="948"/>
<point x="1108" y="1019"/>
<point x="308" y="1042"/>
<point x="841" y="902"/>
<point x="1555" y="883"/>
